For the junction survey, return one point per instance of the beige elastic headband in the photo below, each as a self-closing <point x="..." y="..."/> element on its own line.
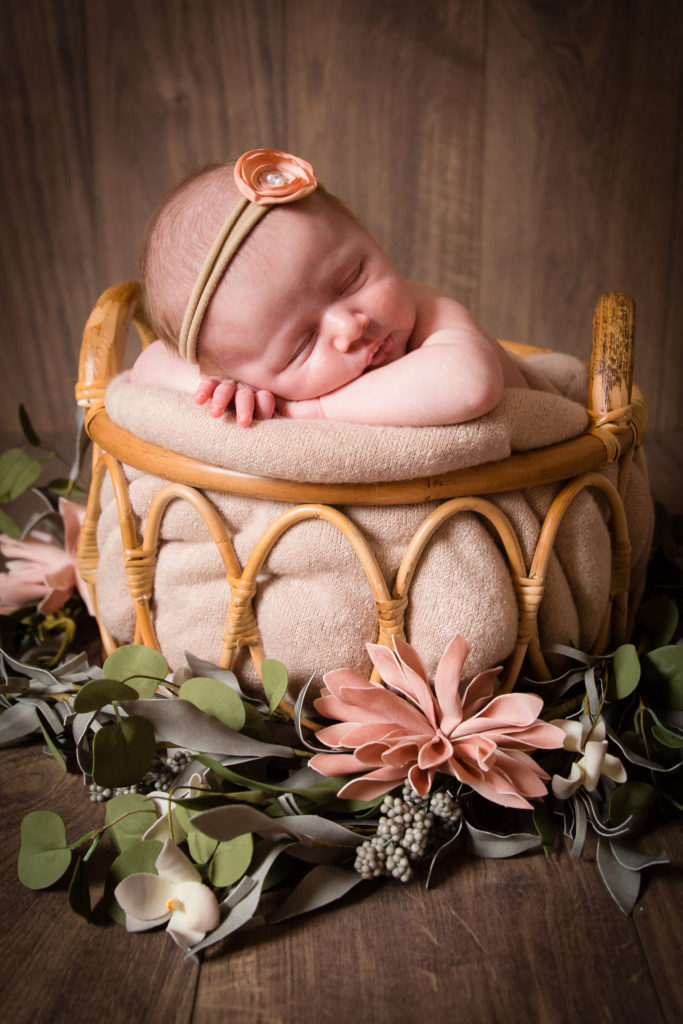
<point x="266" y="178"/>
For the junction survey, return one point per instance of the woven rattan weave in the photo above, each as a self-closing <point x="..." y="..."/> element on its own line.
<point x="618" y="416"/>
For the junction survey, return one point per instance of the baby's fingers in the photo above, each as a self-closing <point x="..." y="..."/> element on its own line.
<point x="264" y="402"/>
<point x="205" y="389"/>
<point x="244" y="406"/>
<point x="222" y="397"/>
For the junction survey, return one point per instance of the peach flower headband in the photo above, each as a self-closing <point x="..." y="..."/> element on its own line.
<point x="266" y="178"/>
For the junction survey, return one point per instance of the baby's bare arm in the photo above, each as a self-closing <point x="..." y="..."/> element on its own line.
<point x="456" y="375"/>
<point x="158" y="364"/>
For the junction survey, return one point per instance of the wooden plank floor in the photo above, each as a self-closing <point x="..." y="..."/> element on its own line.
<point x="523" y="939"/>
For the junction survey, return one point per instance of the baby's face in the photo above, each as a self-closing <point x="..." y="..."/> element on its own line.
<point x="316" y="305"/>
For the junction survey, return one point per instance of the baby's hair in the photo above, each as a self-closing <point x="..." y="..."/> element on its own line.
<point x="179" y="235"/>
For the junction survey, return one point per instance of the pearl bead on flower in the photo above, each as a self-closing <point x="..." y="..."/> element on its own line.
<point x="275" y="179"/>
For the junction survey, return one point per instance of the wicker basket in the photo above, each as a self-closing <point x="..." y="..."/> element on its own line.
<point x="617" y="427"/>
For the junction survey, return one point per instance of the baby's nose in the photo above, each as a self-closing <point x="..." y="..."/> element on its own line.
<point x="347" y="328"/>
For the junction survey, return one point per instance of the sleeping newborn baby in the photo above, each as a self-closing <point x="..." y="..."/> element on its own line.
<point x="301" y="311"/>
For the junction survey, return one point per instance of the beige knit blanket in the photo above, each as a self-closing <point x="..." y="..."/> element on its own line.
<point x="314" y="606"/>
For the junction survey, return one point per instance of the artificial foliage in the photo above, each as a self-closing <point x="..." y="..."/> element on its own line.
<point x="213" y="814"/>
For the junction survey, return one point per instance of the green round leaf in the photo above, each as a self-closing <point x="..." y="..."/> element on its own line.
<point x="141" y="667"/>
<point x="667" y="737"/>
<point x="216" y="699"/>
<point x="17" y="472"/>
<point x="140" y="815"/>
<point x="140" y="858"/>
<point x="632" y="798"/>
<point x="43" y="855"/>
<point x="99" y="692"/>
<point x="274" y="679"/>
<point x="231" y="860"/>
<point x="201" y="847"/>
<point x="659" y="618"/>
<point x="123" y="752"/>
<point x="8" y="526"/>
<point x="625" y="674"/>
<point x="663" y="671"/>
<point x="633" y="742"/>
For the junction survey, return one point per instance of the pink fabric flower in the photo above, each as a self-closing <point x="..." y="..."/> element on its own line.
<point x="269" y="177"/>
<point x="40" y="570"/>
<point x="458" y="728"/>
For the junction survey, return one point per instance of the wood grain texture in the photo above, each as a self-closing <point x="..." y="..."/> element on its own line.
<point x="524" y="156"/>
<point x="521" y="155"/>
<point x="55" y="967"/>
<point x="580" y="175"/>
<point x="522" y="939"/>
<point x="392" y="94"/>
<point x="46" y="240"/>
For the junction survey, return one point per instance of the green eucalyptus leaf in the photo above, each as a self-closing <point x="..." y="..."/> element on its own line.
<point x="633" y="741"/>
<point x="79" y="892"/>
<point x="274" y="679"/>
<point x="659" y="618"/>
<point x="631" y="798"/>
<point x="50" y="742"/>
<point x="667" y="737"/>
<point x="8" y="526"/>
<point x="18" y="471"/>
<point x="27" y="427"/>
<point x="141" y="667"/>
<point x="200" y="846"/>
<point x="183" y="815"/>
<point x="216" y="699"/>
<point x="43" y="855"/>
<point x="544" y="825"/>
<point x="625" y="674"/>
<point x="139" y="816"/>
<point x="663" y="671"/>
<point x="140" y="858"/>
<point x="255" y="724"/>
<point x="123" y="752"/>
<point x="231" y="860"/>
<point x="99" y="692"/>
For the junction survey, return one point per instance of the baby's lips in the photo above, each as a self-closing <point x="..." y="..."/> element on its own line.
<point x="383" y="350"/>
<point x="270" y="176"/>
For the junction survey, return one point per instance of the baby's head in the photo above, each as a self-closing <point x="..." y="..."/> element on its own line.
<point x="301" y="300"/>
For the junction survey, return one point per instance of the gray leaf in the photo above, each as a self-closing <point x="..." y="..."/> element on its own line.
<point x="633" y="859"/>
<point x="491" y="844"/>
<point x="224" y="823"/>
<point x="244" y="909"/>
<point x="180" y="722"/>
<point x="324" y="884"/>
<point x="622" y="883"/>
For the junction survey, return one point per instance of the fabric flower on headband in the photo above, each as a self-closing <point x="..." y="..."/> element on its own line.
<point x="269" y="176"/>
<point x="457" y="728"/>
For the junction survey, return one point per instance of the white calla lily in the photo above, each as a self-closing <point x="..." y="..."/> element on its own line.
<point x="589" y="740"/>
<point x="175" y="895"/>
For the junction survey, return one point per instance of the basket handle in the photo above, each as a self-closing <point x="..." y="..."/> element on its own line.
<point x="611" y="367"/>
<point x="104" y="340"/>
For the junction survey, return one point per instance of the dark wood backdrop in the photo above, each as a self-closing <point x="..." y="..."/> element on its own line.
<point x="522" y="154"/>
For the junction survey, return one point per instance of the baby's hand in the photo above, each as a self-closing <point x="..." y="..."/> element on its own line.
<point x="307" y="409"/>
<point x="248" y="403"/>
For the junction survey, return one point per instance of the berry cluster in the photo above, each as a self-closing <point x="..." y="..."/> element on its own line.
<point x="410" y="826"/>
<point x="161" y="776"/>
